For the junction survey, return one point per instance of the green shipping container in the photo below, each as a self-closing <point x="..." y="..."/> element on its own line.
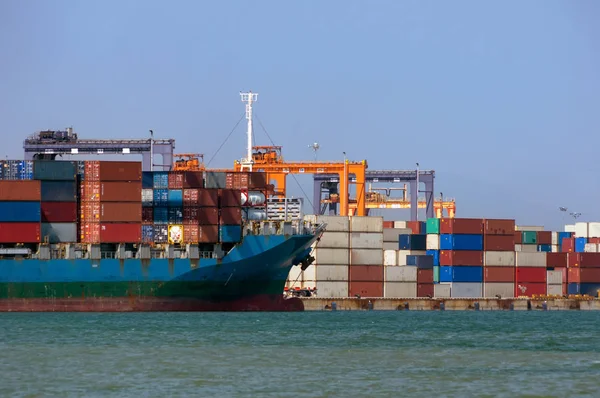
<point x="433" y="225"/>
<point x="529" y="237"/>
<point x="436" y="274"/>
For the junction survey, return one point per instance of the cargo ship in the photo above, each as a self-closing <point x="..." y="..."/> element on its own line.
<point x="107" y="236"/>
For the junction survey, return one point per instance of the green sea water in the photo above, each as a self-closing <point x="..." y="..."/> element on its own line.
<point x="310" y="354"/>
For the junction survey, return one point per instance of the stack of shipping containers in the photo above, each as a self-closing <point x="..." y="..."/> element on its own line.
<point x="366" y="257"/>
<point x="499" y="258"/>
<point x="20" y="211"/>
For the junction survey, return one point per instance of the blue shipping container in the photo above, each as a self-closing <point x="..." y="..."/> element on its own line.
<point x="461" y="242"/>
<point x="421" y="261"/>
<point x="412" y="242"/>
<point x="161" y="215"/>
<point x="148" y="233"/>
<point x="545" y="248"/>
<point x="59" y="191"/>
<point x="580" y="244"/>
<point x="573" y="288"/>
<point x="230" y="233"/>
<point x="175" y="215"/>
<point x="20" y="212"/>
<point x="147" y="180"/>
<point x="54" y="170"/>
<point x="175" y="197"/>
<point x="161" y="180"/>
<point x="436" y="256"/>
<point x="461" y="274"/>
<point x="591" y="289"/>
<point x="161" y="233"/>
<point x="161" y="197"/>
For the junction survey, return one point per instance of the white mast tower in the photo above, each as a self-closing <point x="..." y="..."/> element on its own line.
<point x="248" y="98"/>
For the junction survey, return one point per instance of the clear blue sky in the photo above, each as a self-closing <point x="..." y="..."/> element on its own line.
<point x="502" y="99"/>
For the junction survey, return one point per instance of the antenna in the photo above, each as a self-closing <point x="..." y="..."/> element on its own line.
<point x="249" y="98"/>
<point x="315" y="147"/>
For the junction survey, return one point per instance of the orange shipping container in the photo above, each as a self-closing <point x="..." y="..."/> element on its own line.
<point x="102" y="170"/>
<point x="499" y="227"/>
<point x="120" y="212"/>
<point x="573" y="275"/>
<point x="544" y="237"/>
<point x="23" y="190"/>
<point x="208" y="234"/>
<point x="190" y="197"/>
<point x="365" y="289"/>
<point x="366" y="273"/>
<point x="95" y="191"/>
<point x="90" y="232"/>
<point x="498" y="274"/>
<point x="191" y="233"/>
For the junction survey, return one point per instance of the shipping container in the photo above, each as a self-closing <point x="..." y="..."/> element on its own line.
<point x="593" y="230"/>
<point x="366" y="273"/>
<point x="367" y="224"/>
<point x="20" y="191"/>
<point x="59" y="212"/>
<point x="121" y="212"/>
<point x="425" y="290"/>
<point x="257" y="180"/>
<point x="498" y="274"/>
<point x="216" y="180"/>
<point x="544" y="237"/>
<point x="556" y="260"/>
<point x="230" y="216"/>
<point x="191" y="215"/>
<point x="175" y="180"/>
<point x="366" y="256"/>
<point x="161" y="215"/>
<point x="120" y="171"/>
<point x="335" y="240"/>
<point x="147" y="234"/>
<point x="332" y="289"/>
<point x="208" y="197"/>
<point x="544" y="248"/>
<point x="433" y="226"/>
<point x="573" y="275"/>
<point x="580" y="244"/>
<point x="161" y="180"/>
<point x="433" y="242"/>
<point x="332" y="256"/>
<point x="495" y="289"/>
<point x="567" y="245"/>
<point x="529" y="237"/>
<point x="120" y="232"/>
<point x="461" y="242"/>
<point x="148" y="197"/>
<point x="190" y="197"/>
<point x="530" y="274"/>
<point x="331" y="272"/>
<point x="420" y="261"/>
<point x="398" y="289"/>
<point x="554" y="277"/>
<point x="403" y="255"/>
<point x="59" y="232"/>
<point x="461" y="274"/>
<point x="401" y="224"/>
<point x="412" y="242"/>
<point x="390" y="257"/>
<point x="193" y="179"/>
<point x="208" y="216"/>
<point x="573" y="259"/>
<point x="442" y="290"/>
<point x="148" y="215"/>
<point x="175" y="215"/>
<point x="20" y="212"/>
<point x="436" y="256"/>
<point x="365" y="240"/>
<point x="392" y="234"/>
<point x="573" y="288"/>
<point x="555" y="290"/>
<point x="364" y="289"/>
<point x="589" y="275"/>
<point x="400" y="274"/>
<point x="147" y="179"/>
<point x="436" y="274"/>
<point x="89" y="232"/>
<point x="161" y="233"/>
<point x="499" y="259"/>
<point x="58" y="191"/>
<point x="230" y="233"/>
<point x="112" y="191"/>
<point x="20" y="232"/>
<point x="464" y="226"/>
<point x="498" y="227"/>
<point x="209" y="233"/>
<point x="54" y="170"/>
<point x="461" y="257"/>
<point x="161" y="197"/>
<point x="528" y="289"/>
<point x="589" y="260"/>
<point x="230" y="198"/>
<point x="499" y="243"/>
<point x="335" y="223"/>
<point x="175" y="198"/>
<point x="524" y="259"/>
<point x="425" y="276"/>
<point x="518" y="238"/>
<point x="417" y="227"/>
<point x="467" y="289"/>
<point x="581" y="229"/>
<point x="191" y="233"/>
<point x="591" y="289"/>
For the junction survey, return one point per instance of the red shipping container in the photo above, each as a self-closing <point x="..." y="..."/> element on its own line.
<point x="95" y="170"/>
<point x="20" y="232"/>
<point x="208" y="216"/>
<point x="594" y="240"/>
<point x="191" y="215"/>
<point x="589" y="260"/>
<point x="209" y="197"/>
<point x="230" y="197"/>
<point x="208" y="234"/>
<point x="461" y="226"/>
<point x="518" y="238"/>
<point x="120" y="212"/>
<point x="89" y="212"/>
<point x="95" y="191"/>
<point x="461" y="257"/>
<point x="574" y="259"/>
<point x="120" y="232"/>
<point x="190" y="197"/>
<point x="589" y="275"/>
<point x="230" y="216"/>
<point x="556" y="260"/>
<point x="193" y="179"/>
<point x="366" y="273"/>
<point x="257" y="180"/>
<point x="531" y="275"/>
<point x="498" y="274"/>
<point x="90" y="232"/>
<point x="574" y="275"/>
<point x="568" y="245"/>
<point x="191" y="233"/>
<point x="388" y="224"/>
<point x="425" y="276"/>
<point x="499" y="243"/>
<point x="544" y="237"/>
<point x="148" y="215"/>
<point x="365" y="289"/>
<point x="59" y="212"/>
<point x="416" y="227"/>
<point x="175" y="180"/>
<point x="425" y="290"/>
<point x="498" y="227"/>
<point x="529" y="289"/>
<point x="21" y="190"/>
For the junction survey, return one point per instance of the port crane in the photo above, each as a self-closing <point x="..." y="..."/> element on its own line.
<point x="188" y="162"/>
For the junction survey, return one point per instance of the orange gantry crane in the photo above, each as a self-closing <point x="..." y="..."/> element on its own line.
<point x="270" y="160"/>
<point x="188" y="162"/>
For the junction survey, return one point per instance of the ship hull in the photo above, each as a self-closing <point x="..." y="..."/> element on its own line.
<point x="251" y="277"/>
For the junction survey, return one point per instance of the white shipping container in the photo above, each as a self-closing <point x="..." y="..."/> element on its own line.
<point x="335" y="223"/>
<point x="390" y="245"/>
<point x="332" y="272"/>
<point x="403" y="253"/>
<point x="591" y="248"/>
<point x="555" y="238"/>
<point x="147" y="195"/>
<point x="390" y="257"/>
<point x="499" y="289"/>
<point x="310" y="274"/>
<point x="400" y="224"/>
<point x="432" y="242"/>
<point x="442" y="290"/>
<point x="570" y="228"/>
<point x="554" y="277"/>
<point x="518" y="247"/>
<point x="466" y="289"/>
<point x="332" y="289"/>
<point x="554" y="290"/>
<point x="529" y="248"/>
<point x="332" y="256"/>
<point x="366" y="257"/>
<point x="499" y="259"/>
<point x="555" y="248"/>
<point x="366" y="240"/>
<point x="400" y="274"/>
<point x="391" y="234"/>
<point x="529" y="228"/>
<point x="400" y="289"/>
<point x="333" y="240"/>
<point x="366" y="224"/>
<point x="581" y="229"/>
<point x="524" y="259"/>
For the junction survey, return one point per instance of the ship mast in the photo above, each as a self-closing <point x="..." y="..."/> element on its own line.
<point x="248" y="98"/>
